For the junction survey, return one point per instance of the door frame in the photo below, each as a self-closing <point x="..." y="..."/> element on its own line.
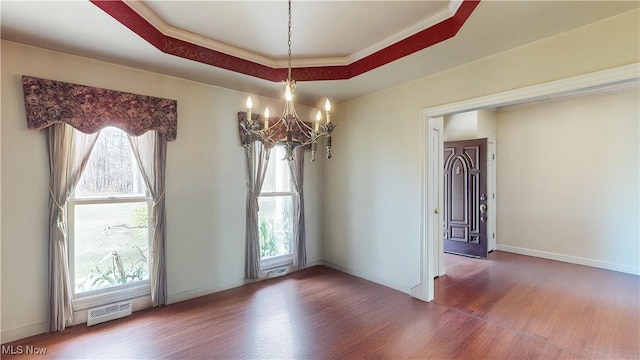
<point x="436" y="195"/>
<point x="431" y="256"/>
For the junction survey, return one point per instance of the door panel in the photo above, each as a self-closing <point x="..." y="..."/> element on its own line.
<point x="465" y="197"/>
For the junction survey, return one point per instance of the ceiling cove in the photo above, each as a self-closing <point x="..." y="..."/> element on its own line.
<point x="445" y="28"/>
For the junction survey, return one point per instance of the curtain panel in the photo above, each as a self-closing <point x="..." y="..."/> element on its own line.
<point x="69" y="151"/>
<point x="90" y="109"/>
<point x="299" y="232"/>
<point x="256" y="172"/>
<point x="150" y="151"/>
<point x="74" y="114"/>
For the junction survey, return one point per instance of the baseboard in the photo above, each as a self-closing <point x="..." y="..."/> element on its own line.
<point x="79" y="317"/>
<point x="191" y="294"/>
<point x="23" y="332"/>
<point x="570" y="259"/>
<point x="375" y="279"/>
<point x="315" y="263"/>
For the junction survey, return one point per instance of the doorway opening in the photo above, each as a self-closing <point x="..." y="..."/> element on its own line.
<point x="432" y="124"/>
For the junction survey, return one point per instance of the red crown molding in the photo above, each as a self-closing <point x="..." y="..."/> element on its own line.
<point x="169" y="45"/>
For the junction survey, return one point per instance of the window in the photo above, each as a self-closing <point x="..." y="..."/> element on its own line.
<point x="109" y="222"/>
<point x="275" y="217"/>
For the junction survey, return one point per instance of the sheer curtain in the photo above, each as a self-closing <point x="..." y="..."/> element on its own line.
<point x="256" y="171"/>
<point x="299" y="233"/>
<point x="150" y="150"/>
<point x="68" y="151"/>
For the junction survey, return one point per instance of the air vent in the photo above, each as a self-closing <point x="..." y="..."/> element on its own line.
<point x="109" y="312"/>
<point x="277" y="272"/>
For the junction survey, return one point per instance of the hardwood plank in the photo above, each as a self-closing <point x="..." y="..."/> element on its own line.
<point x="588" y="311"/>
<point x="503" y="308"/>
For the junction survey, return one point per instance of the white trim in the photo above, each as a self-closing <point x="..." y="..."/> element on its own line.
<point x="24" y="332"/>
<point x="619" y="77"/>
<point x="437" y="18"/>
<point x="375" y="279"/>
<point x="454" y="5"/>
<point x="110" y="200"/>
<point x="315" y="263"/>
<point x="433" y="247"/>
<point x="276" y="194"/>
<point x="112" y="294"/>
<point x="421" y="291"/>
<point x="622" y="76"/>
<point x="571" y="259"/>
<point x="439" y="249"/>
<point x="152" y="18"/>
<point x="272" y="262"/>
<point x="491" y="193"/>
<point x="206" y="290"/>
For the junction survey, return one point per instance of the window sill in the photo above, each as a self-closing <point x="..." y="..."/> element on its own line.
<point x="273" y="262"/>
<point x="93" y="299"/>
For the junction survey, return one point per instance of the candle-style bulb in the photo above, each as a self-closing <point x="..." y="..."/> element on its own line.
<point x="266" y="118"/>
<point x="318" y="118"/>
<point x="287" y="92"/>
<point x="249" y="105"/>
<point x="327" y="105"/>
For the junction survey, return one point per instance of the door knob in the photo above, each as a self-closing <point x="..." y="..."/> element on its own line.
<point x="436" y="211"/>
<point x="483" y="208"/>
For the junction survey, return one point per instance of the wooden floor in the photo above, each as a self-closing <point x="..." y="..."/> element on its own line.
<point x="506" y="307"/>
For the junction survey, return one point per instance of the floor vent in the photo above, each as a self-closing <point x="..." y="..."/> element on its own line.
<point x="277" y="272"/>
<point x="108" y="312"/>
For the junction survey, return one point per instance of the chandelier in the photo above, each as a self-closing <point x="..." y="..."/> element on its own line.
<point x="289" y="129"/>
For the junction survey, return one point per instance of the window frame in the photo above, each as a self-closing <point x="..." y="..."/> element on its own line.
<point x="98" y="297"/>
<point x="276" y="261"/>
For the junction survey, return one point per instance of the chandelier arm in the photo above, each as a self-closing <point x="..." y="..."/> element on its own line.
<point x="303" y="126"/>
<point x="275" y="128"/>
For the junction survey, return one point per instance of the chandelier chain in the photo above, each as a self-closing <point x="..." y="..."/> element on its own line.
<point x="289" y="129"/>
<point x="289" y="43"/>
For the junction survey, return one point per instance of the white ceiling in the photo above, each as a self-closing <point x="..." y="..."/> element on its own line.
<point x="320" y="29"/>
<point x="322" y="32"/>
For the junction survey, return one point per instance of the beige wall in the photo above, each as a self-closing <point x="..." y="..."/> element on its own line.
<point x="462" y="126"/>
<point x="475" y="124"/>
<point x="205" y="184"/>
<point x="568" y="180"/>
<point x="372" y="186"/>
<point x="487" y="125"/>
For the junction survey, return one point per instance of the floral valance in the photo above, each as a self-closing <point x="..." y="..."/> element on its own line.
<point x="90" y="109"/>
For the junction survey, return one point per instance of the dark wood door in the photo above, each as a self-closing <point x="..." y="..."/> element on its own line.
<point x="465" y="197"/>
